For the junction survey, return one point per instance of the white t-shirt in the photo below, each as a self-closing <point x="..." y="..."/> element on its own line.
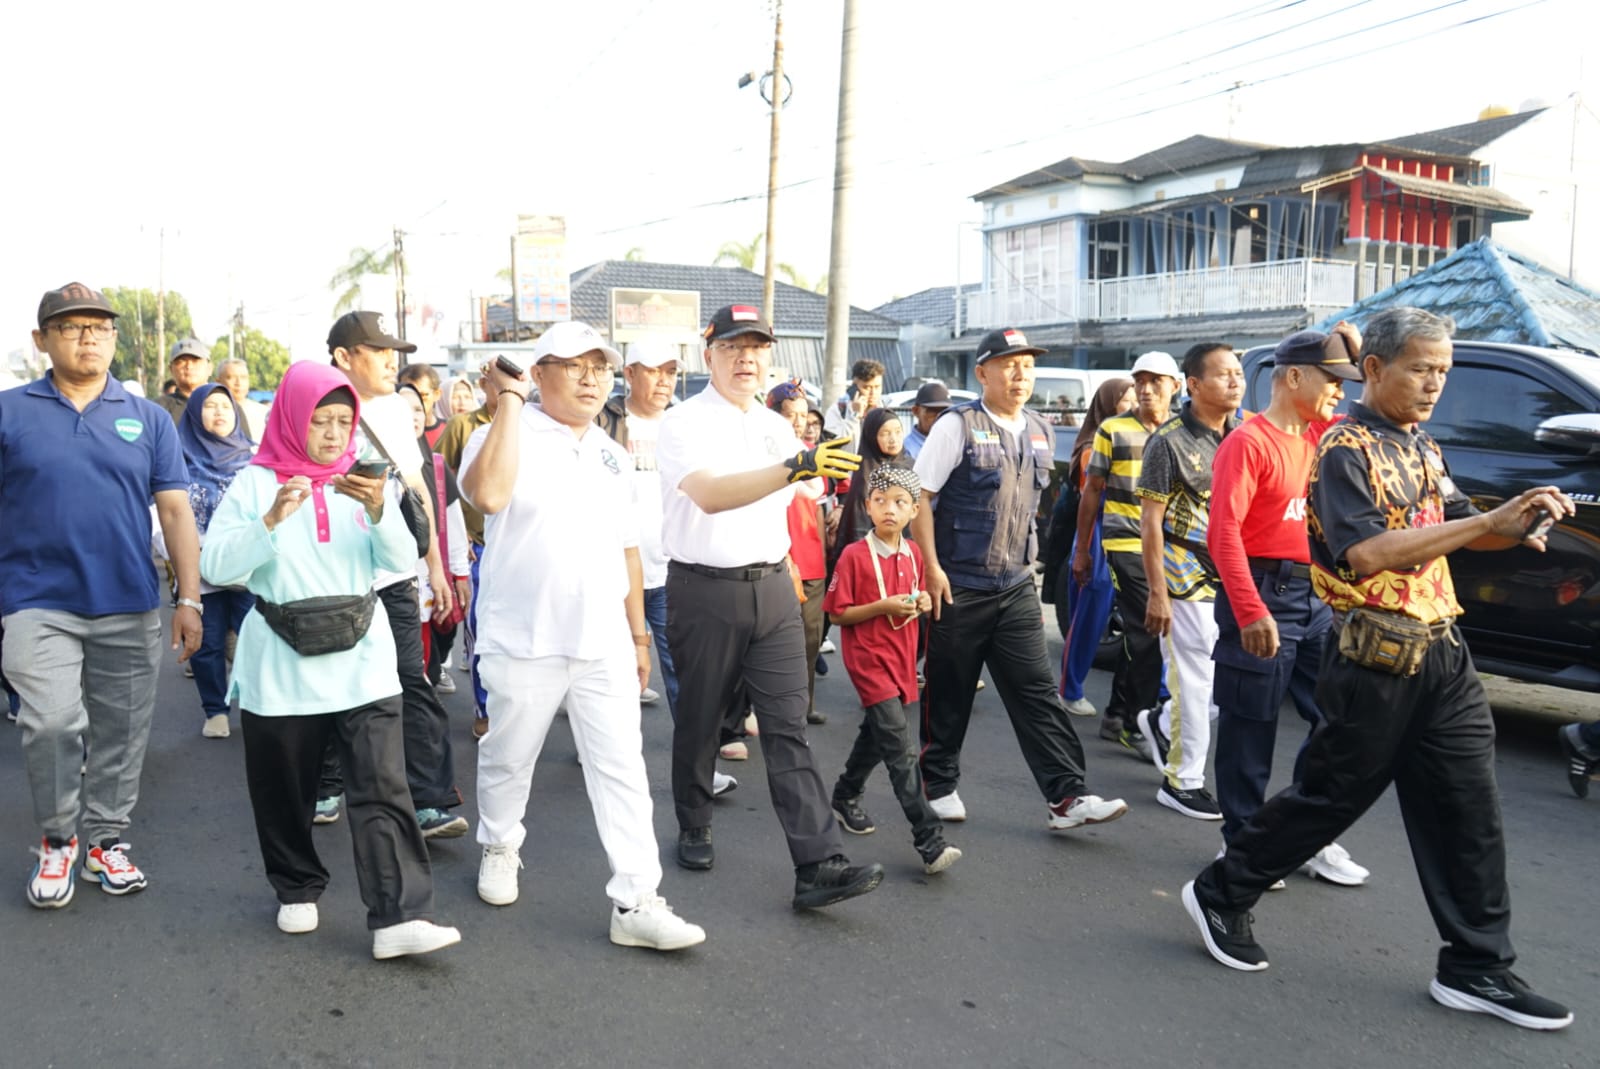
<point x="709" y="433"/>
<point x="642" y="434"/>
<point x="389" y="418"/>
<point x="553" y="578"/>
<point x="947" y="442"/>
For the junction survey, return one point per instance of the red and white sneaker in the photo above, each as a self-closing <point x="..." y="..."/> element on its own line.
<point x="109" y="863"/>
<point x="53" y="878"/>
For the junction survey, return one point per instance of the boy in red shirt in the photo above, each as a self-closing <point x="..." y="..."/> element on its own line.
<point x="874" y="599"/>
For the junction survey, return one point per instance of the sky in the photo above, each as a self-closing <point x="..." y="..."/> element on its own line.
<point x="238" y="153"/>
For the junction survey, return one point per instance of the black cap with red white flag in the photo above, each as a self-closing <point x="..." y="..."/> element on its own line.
<point x="1007" y="341"/>
<point x="737" y="319"/>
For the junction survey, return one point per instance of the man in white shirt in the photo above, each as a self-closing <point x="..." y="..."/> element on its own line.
<point x="727" y="464"/>
<point x="558" y="602"/>
<point x="362" y="347"/>
<point x="843" y="420"/>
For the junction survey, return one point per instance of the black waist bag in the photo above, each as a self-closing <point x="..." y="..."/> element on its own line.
<point x="314" y="626"/>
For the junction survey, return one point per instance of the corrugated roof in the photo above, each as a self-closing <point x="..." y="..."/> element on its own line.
<point x="1198" y="150"/>
<point x="1494" y="294"/>
<point x="1460" y="141"/>
<point x="934" y="307"/>
<point x="1456" y="193"/>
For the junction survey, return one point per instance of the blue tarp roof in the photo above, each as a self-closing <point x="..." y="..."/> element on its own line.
<point x="1494" y="294"/>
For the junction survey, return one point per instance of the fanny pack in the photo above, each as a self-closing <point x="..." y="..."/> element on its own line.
<point x="1388" y="642"/>
<point x="314" y="626"/>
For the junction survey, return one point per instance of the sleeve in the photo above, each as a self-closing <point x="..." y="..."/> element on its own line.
<point x="1233" y="486"/>
<point x="841" y="590"/>
<point x="1155" y="472"/>
<point x="941" y="453"/>
<point x="167" y="469"/>
<point x="676" y="456"/>
<point x="1100" y="453"/>
<point x="237" y="542"/>
<point x="1341" y="494"/>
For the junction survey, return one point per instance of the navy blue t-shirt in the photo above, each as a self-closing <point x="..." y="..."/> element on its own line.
<point x="75" y="494"/>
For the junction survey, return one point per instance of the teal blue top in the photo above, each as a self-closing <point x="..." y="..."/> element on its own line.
<point x="287" y="564"/>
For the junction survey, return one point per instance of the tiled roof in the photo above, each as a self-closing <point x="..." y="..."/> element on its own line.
<point x="1460" y="141"/>
<point x="1495" y="295"/>
<point x="934" y="307"/>
<point x="1198" y="150"/>
<point x="795" y="311"/>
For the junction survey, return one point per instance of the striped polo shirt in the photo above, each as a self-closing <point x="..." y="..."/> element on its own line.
<point x="1117" y="457"/>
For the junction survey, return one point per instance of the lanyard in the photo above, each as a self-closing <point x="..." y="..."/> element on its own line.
<point x="877" y="569"/>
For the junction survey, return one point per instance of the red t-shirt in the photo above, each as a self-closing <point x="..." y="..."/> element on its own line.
<point x="1258" y="506"/>
<point x="881" y="659"/>
<point x="805" y="531"/>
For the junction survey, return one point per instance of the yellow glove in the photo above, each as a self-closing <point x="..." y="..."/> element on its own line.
<point x="828" y="459"/>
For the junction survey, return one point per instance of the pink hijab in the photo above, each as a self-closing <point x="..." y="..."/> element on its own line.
<point x="283" y="443"/>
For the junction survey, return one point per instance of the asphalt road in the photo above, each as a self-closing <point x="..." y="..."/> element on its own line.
<point x="1067" y="950"/>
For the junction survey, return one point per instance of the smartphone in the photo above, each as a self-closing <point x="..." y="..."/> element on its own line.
<point x="505" y="364"/>
<point x="1540" y="525"/>
<point x="369" y="469"/>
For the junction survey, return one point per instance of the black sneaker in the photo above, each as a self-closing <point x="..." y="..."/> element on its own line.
<point x="694" y="849"/>
<point x="834" y="880"/>
<point x="815" y="717"/>
<point x="1580" y="763"/>
<point x="1502" y="994"/>
<point x="1149" y="721"/>
<point x="1227" y="933"/>
<point x="852" y="817"/>
<point x="1197" y="803"/>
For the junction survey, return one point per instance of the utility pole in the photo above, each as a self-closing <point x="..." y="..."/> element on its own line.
<point x="236" y="333"/>
<point x="516" y="317"/>
<point x="161" y="296"/>
<point x="400" y="286"/>
<point x="777" y="101"/>
<point x="837" y="340"/>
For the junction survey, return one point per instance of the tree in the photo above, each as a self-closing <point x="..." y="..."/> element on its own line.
<point x="266" y="357"/>
<point x="746" y="255"/>
<point x="634" y="255"/>
<point x="346" y="281"/>
<point x="136" y="356"/>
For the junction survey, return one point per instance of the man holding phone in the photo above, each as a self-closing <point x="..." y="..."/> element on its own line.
<point x="362" y="347"/>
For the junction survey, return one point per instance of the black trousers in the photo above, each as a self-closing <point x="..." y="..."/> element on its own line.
<point x="1006" y="632"/>
<point x="885" y="739"/>
<point x="1136" y="686"/>
<point x="282" y="756"/>
<point x="1431" y="735"/>
<point x="430" y="760"/>
<point x="734" y="640"/>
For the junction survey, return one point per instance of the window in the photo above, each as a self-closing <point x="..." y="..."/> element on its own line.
<point x="1494" y="408"/>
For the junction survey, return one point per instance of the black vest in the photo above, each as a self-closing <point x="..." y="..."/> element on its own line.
<point x="984" y="519"/>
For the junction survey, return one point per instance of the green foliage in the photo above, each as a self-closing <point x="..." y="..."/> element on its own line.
<point x="346" y="281"/>
<point x="266" y="358"/>
<point x="137" y="355"/>
<point x="748" y="256"/>
<point x="635" y="255"/>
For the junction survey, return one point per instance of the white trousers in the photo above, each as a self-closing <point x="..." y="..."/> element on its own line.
<point x="602" y="699"/>
<point x="1189" y="675"/>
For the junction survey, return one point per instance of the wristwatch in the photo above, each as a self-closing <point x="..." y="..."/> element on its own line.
<point x="193" y="604"/>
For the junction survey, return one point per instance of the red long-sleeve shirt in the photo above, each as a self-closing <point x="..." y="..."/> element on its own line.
<point x="1258" y="506"/>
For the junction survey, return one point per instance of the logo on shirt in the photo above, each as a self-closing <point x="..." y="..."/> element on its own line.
<point x="610" y="462"/>
<point x="1295" y="510"/>
<point x="129" y="429"/>
<point x="982" y="437"/>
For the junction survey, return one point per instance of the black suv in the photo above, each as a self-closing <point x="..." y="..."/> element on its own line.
<point x="1511" y="417"/>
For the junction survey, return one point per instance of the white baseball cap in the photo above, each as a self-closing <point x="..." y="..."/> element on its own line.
<point x="572" y="339"/>
<point x="652" y="352"/>
<point x="1158" y="363"/>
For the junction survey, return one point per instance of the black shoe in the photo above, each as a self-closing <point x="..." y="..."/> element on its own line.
<point x="814" y="717"/>
<point x="694" y="849"/>
<point x="1196" y="803"/>
<point x="1580" y="765"/>
<point x="1227" y="933"/>
<point x="834" y="880"/>
<point x="853" y="817"/>
<point x="822" y="666"/>
<point x="1111" y="728"/>
<point x="1502" y="994"/>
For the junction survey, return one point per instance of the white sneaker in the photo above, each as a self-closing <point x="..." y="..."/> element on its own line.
<point x="412" y="937"/>
<point x="652" y="924"/>
<point x="948" y="808"/>
<point x="446" y="684"/>
<point x="216" y="727"/>
<point x="734" y="751"/>
<point x="497" y="874"/>
<point x="722" y="783"/>
<point x="1082" y="707"/>
<point x="1085" y="809"/>
<point x="297" y="918"/>
<point x="827" y="646"/>
<point x="648" y="697"/>
<point x="1333" y="864"/>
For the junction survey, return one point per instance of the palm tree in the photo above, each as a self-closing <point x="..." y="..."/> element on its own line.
<point x="347" y="280"/>
<point x="740" y="254"/>
<point x="634" y="255"/>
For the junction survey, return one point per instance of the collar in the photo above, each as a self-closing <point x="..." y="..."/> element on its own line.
<point x="1192" y="424"/>
<point x="1370" y="418"/>
<point x="711" y="395"/>
<point x="46" y="387"/>
<point x="881" y="548"/>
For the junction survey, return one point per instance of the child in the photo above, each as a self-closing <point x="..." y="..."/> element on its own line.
<point x="874" y="599"/>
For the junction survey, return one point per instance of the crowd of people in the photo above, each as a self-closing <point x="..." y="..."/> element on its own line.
<point x="324" y="554"/>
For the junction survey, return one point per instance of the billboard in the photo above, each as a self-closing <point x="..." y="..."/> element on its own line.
<point x="543" y="285"/>
<point x="664" y="315"/>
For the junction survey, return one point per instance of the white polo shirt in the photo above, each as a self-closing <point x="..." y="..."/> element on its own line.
<point x="709" y="433"/>
<point x="553" y="578"/>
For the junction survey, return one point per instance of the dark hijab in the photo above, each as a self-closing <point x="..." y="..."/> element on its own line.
<point x="855" y="519"/>
<point x="1102" y="408"/>
<point x="213" y="460"/>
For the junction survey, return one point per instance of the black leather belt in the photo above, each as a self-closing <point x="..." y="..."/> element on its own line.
<point x="746" y="573"/>
<point x="1268" y="566"/>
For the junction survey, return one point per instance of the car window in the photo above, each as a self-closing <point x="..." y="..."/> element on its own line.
<point x="1495" y="408"/>
<point x="1057" y="393"/>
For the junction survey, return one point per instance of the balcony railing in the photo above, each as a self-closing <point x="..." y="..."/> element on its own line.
<point x="1326" y="285"/>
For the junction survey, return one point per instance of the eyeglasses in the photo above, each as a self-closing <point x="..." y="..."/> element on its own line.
<point x="578" y="370"/>
<point x="754" y="349"/>
<point x="72" y="331"/>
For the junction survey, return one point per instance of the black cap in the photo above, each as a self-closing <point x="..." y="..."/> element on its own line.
<point x="190" y="347"/>
<point x="737" y="319"/>
<point x="932" y="395"/>
<point x="1312" y="348"/>
<point x="73" y="297"/>
<point x="365" y="328"/>
<point x="1007" y="341"/>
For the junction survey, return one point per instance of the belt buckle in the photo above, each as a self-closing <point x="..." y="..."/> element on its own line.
<point x="752" y="573"/>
